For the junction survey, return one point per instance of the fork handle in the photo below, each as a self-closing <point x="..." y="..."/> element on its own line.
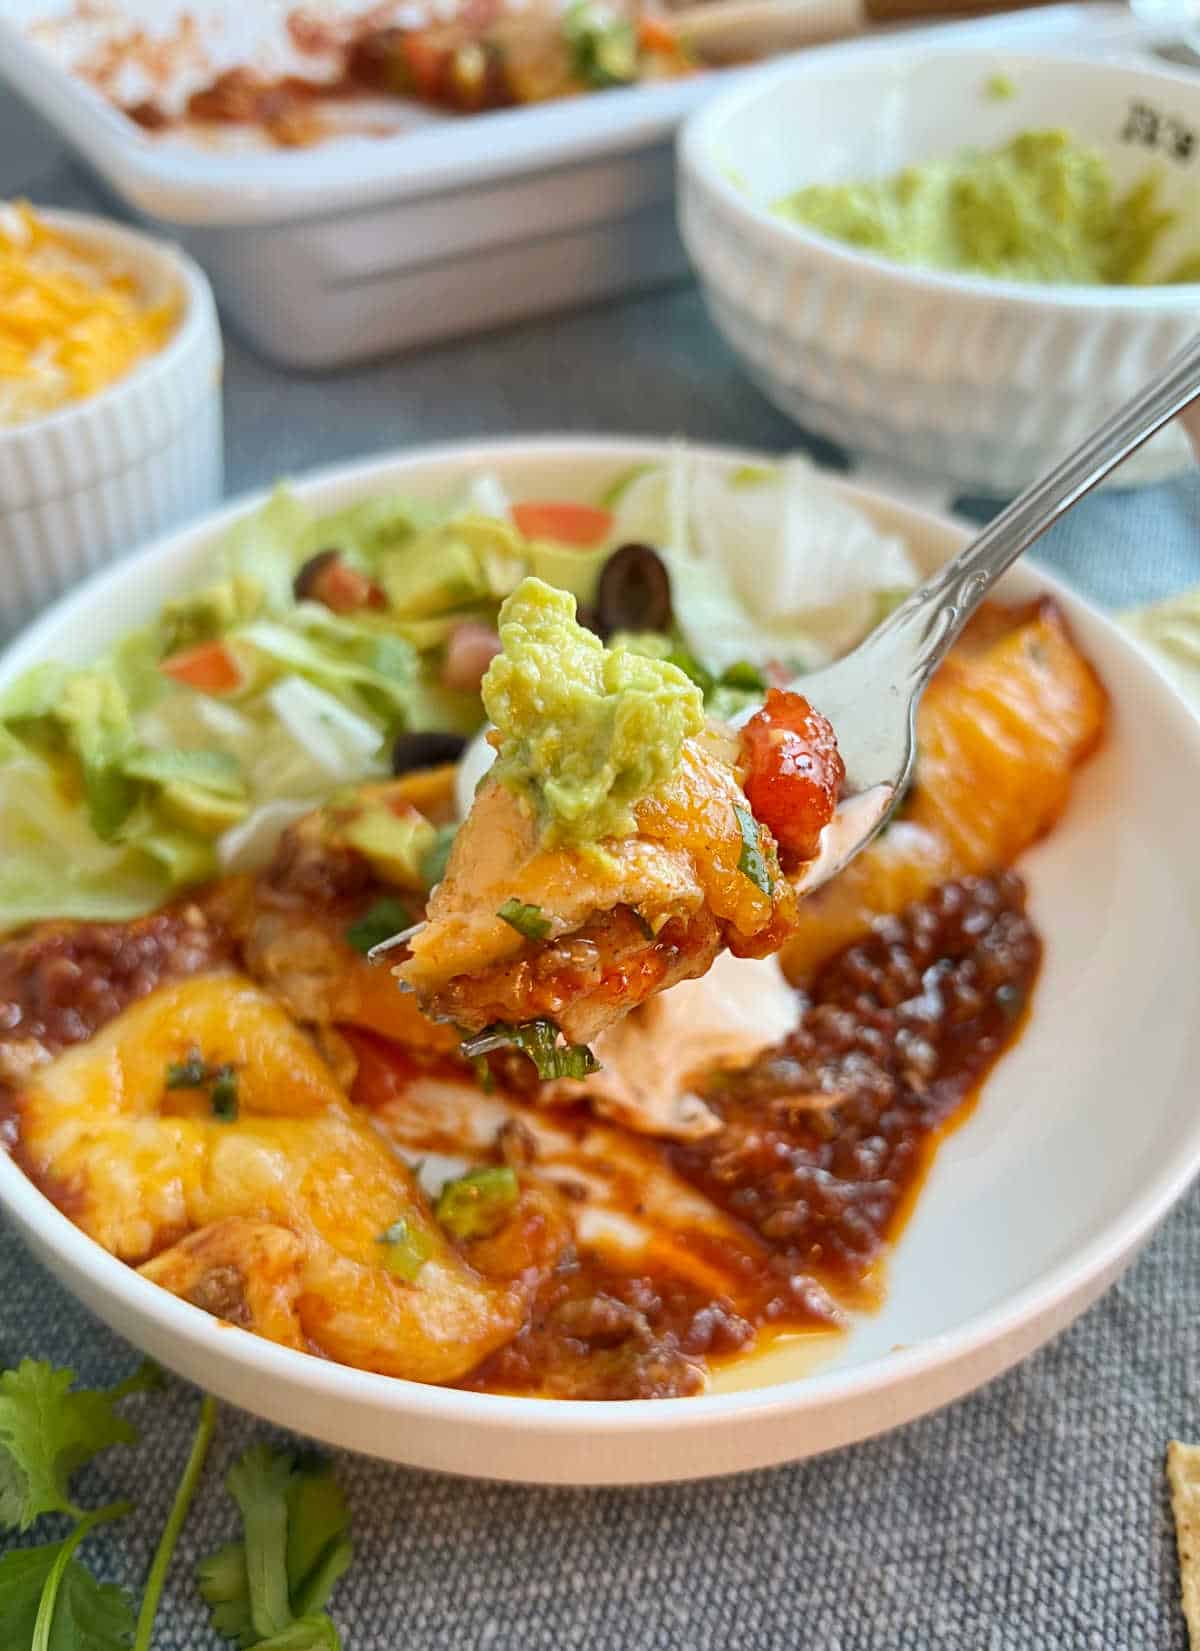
<point x="925" y="625"/>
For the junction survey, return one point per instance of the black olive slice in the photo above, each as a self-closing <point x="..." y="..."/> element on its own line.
<point x="304" y="585"/>
<point x="414" y="751"/>
<point x="634" y="593"/>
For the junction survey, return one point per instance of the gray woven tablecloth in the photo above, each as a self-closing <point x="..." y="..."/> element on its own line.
<point x="1030" y="1517"/>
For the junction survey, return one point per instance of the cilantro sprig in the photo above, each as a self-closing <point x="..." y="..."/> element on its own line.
<point x="48" y="1430"/>
<point x="540" y="1040"/>
<point x="269" y="1590"/>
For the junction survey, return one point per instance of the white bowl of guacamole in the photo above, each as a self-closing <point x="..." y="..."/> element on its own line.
<point x="957" y="261"/>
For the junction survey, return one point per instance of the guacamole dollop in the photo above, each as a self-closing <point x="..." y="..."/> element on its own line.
<point x="585" y="731"/>
<point x="1042" y="207"/>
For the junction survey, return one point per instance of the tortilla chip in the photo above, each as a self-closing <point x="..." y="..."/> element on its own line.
<point x="1183" y="1476"/>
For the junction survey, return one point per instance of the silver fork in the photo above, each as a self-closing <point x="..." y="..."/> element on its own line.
<point x="871" y="695"/>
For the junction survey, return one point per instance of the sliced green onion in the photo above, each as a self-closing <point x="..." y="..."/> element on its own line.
<point x="479" y="1203"/>
<point x="408" y="1249"/>
<point x="527" y="920"/>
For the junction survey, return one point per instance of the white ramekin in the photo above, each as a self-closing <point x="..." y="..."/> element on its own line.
<point x="88" y="482"/>
<point x="980" y="382"/>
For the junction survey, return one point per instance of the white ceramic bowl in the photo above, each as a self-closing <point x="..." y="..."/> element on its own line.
<point x="1086" y="1133"/>
<point x="978" y="381"/>
<point x="88" y="482"/>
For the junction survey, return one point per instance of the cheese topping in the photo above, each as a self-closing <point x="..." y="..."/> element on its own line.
<point x="72" y="319"/>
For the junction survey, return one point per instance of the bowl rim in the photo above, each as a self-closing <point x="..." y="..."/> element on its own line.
<point x="196" y="325"/>
<point x="698" y="164"/>
<point x="1051" y="1292"/>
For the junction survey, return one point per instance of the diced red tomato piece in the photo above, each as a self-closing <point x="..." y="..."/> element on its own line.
<point x="209" y="667"/>
<point x="794" y="772"/>
<point x="345" y="589"/>
<point x="655" y="36"/>
<point x="564" y="521"/>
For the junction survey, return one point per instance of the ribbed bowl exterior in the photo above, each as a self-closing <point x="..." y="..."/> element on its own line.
<point x="941" y="377"/>
<point x="87" y="484"/>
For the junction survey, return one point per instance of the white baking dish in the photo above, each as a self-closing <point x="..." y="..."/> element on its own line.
<point x="338" y="252"/>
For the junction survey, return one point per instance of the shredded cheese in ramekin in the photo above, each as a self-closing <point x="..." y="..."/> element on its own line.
<point x="72" y="319"/>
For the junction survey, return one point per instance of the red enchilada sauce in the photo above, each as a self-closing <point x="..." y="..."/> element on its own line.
<point x="824" y="1142"/>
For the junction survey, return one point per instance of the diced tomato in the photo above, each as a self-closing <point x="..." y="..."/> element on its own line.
<point x="655" y="36"/>
<point x="344" y="589"/>
<point x="568" y="523"/>
<point x="794" y="772"/>
<point x="209" y="667"/>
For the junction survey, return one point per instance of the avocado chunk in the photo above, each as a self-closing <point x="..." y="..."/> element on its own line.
<point x="394" y="843"/>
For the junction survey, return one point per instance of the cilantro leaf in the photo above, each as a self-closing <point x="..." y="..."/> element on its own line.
<point x="88" y="1615"/>
<point x="752" y="863"/>
<point x="539" y="1040"/>
<point x="225" y="1586"/>
<point x="258" y="1484"/>
<point x="527" y="920"/>
<point x="47" y="1431"/>
<point x="319" y="1548"/>
<point x="296" y="1546"/>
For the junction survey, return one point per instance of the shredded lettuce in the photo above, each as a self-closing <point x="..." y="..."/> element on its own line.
<point x="52" y="863"/>
<point x="1171" y="632"/>
<point x="766" y="562"/>
<point x="366" y="672"/>
<point x="267" y="548"/>
<point x="341" y="744"/>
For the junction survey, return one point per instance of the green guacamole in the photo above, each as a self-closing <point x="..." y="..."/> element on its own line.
<point x="1041" y="208"/>
<point x="585" y="731"/>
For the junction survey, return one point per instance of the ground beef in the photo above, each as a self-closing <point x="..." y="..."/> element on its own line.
<point x="62" y="982"/>
<point x="824" y="1135"/>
